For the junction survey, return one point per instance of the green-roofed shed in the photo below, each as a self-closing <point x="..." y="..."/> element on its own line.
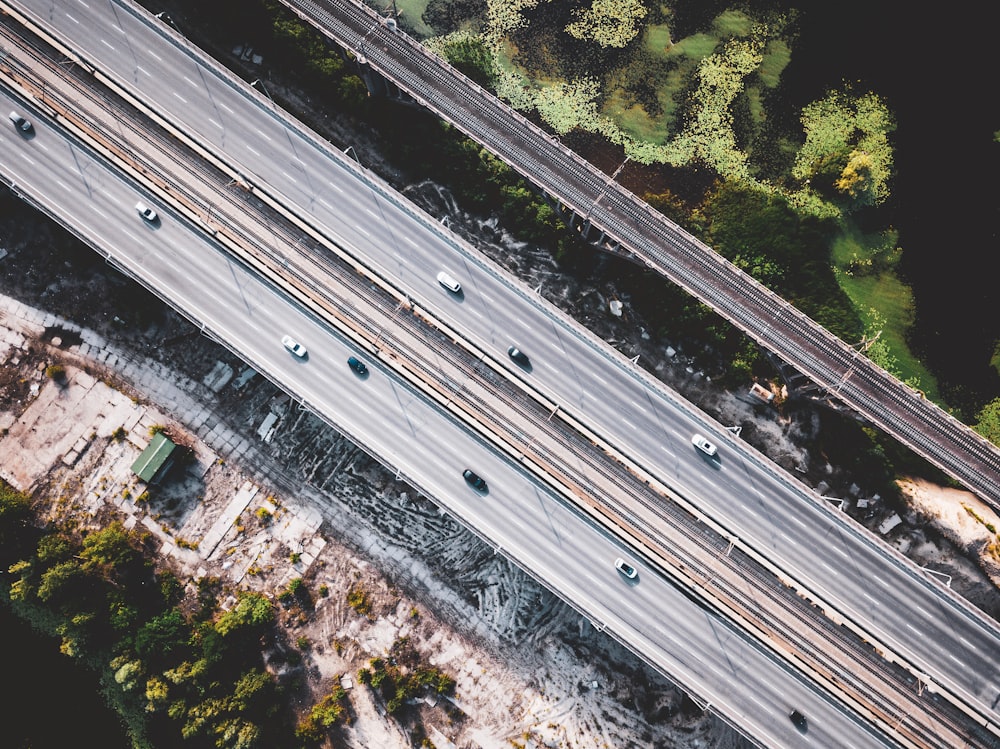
<point x="154" y="458"/>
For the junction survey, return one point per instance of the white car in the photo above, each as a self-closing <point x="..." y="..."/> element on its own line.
<point x="446" y="280"/>
<point x="146" y="212"/>
<point x="294" y="346"/>
<point x="704" y="445"/>
<point x="626" y="569"/>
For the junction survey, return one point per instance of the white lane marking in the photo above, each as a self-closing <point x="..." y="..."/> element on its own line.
<point x="842" y="553"/>
<point x="72" y="19"/>
<point x="627" y="423"/>
<point x="747" y="509"/>
<point x="131" y="235"/>
<point x="922" y="611"/>
<point x="959" y="661"/>
<point x="830" y="568"/>
<point x="196" y="85"/>
<point x="796" y="520"/>
<point x="251" y="150"/>
<point x="335" y="187"/>
<point x="912" y="628"/>
<point x="143" y="70"/>
<point x="599" y="379"/>
<point x="641" y="408"/>
<point x="362" y="230"/>
<point x="64" y="186"/>
<point x="474" y="313"/>
<point x="223" y="105"/>
<point x="262" y="134"/>
<point x="967" y="644"/>
<point x="99" y="212"/>
<point x="107" y="44"/>
<point x="289" y="176"/>
<point x="371" y="213"/>
<point x="26" y="157"/>
<point x="83" y="3"/>
<point x="870" y="598"/>
<point x="324" y="203"/>
<point x="179" y="97"/>
<point x="412" y="241"/>
<point x="151" y="53"/>
<point x="216" y="123"/>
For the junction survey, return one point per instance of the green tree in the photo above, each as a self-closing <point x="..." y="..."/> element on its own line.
<point x="468" y="53"/>
<point x="162" y="636"/>
<point x="252" y="610"/>
<point x="609" y="23"/>
<point x="846" y="153"/>
<point x="988" y="421"/>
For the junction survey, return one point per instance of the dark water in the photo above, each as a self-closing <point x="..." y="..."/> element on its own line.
<point x="49" y="702"/>
<point x="938" y="72"/>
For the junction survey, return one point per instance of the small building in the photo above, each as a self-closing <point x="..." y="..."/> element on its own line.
<point x="154" y="459"/>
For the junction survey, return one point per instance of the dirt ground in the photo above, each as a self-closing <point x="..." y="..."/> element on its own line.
<point x="258" y="508"/>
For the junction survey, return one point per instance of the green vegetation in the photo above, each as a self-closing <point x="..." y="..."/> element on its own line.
<point x="401" y="676"/>
<point x="176" y="673"/>
<point x="360" y="600"/>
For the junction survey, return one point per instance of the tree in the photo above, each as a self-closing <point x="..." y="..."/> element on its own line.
<point x="988" y="421"/>
<point x="252" y="610"/>
<point x="847" y="149"/>
<point x="609" y="23"/>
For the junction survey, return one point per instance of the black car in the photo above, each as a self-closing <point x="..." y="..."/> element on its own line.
<point x="357" y="365"/>
<point x="518" y="356"/>
<point x="799" y="721"/>
<point x="475" y="481"/>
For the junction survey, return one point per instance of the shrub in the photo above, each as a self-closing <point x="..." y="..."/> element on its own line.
<point x="360" y="600"/>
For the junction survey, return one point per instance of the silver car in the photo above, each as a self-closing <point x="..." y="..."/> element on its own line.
<point x="20" y="123"/>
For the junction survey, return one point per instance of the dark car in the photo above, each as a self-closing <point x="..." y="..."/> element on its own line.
<point x="799" y="721"/>
<point x="518" y="356"/>
<point x="475" y="481"/>
<point x="357" y="365"/>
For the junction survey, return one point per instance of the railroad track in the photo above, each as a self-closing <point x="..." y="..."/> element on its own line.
<point x="925" y="428"/>
<point x="692" y="555"/>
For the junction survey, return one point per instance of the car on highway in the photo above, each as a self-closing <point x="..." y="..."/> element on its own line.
<point x="20" y="124"/>
<point x="357" y="365"/>
<point x="704" y="445"/>
<point x="294" y="346"/>
<point x="799" y="721"/>
<point x="448" y="281"/>
<point x="474" y="480"/>
<point x="146" y="212"/>
<point x="626" y="569"/>
<point x="518" y="356"/>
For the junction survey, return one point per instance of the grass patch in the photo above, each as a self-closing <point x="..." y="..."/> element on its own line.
<point x="777" y="55"/>
<point x="732" y="23"/>
<point x="411" y="13"/>
<point x="658" y="40"/>
<point x="697" y="46"/>
<point x="864" y="266"/>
